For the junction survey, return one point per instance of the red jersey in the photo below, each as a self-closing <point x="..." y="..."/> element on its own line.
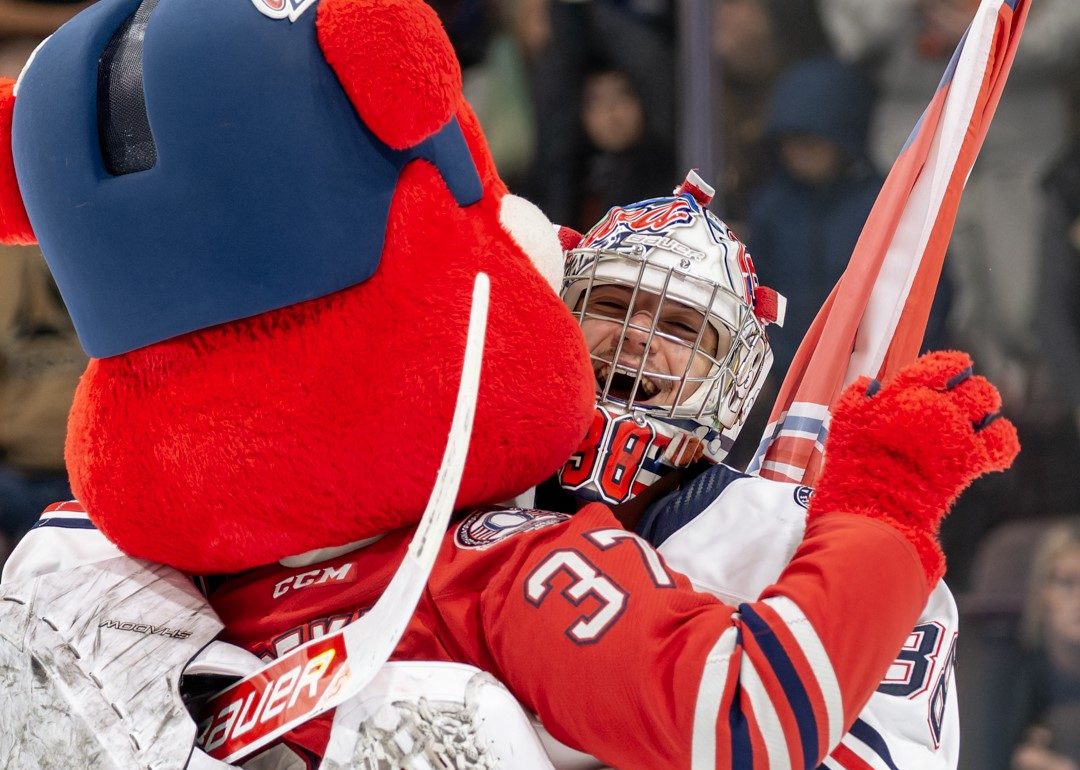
<point x="616" y="653"/>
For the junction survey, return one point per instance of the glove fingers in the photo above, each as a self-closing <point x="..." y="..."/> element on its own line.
<point x="976" y="398"/>
<point x="938" y="371"/>
<point x="1001" y="444"/>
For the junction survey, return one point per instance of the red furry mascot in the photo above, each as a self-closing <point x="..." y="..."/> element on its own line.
<point x="266" y="217"/>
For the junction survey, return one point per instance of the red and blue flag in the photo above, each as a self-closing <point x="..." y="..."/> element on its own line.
<point x="874" y="320"/>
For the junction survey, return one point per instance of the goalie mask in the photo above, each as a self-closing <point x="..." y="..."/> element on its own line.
<point x="674" y="318"/>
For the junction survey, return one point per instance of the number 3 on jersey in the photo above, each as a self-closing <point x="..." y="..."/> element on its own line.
<point x="583" y="580"/>
<point x="610" y="457"/>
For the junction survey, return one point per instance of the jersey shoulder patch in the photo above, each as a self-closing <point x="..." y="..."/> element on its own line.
<point x="486" y="527"/>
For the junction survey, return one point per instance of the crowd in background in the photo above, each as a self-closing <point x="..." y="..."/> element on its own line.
<point x="579" y="99"/>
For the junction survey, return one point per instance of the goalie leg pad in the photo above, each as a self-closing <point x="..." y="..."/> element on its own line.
<point x="90" y="661"/>
<point x="430" y="716"/>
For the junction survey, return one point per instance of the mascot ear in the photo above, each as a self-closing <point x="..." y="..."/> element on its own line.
<point x="15" y="227"/>
<point x="396" y="64"/>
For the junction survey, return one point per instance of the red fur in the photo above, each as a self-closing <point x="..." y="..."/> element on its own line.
<point x="569" y="238"/>
<point x="904" y="454"/>
<point x="15" y="229"/>
<point x="324" y="422"/>
<point x="396" y="64"/>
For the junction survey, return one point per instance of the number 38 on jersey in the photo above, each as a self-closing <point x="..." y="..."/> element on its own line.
<point x="610" y="459"/>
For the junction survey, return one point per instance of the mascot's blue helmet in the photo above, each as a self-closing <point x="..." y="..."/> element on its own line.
<point x="145" y="134"/>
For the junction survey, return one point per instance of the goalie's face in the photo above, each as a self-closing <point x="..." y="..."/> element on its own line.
<point x="649" y="351"/>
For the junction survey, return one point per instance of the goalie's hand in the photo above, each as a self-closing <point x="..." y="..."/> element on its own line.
<point x="903" y="451"/>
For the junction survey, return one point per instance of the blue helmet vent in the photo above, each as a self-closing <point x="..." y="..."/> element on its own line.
<point x="127" y="145"/>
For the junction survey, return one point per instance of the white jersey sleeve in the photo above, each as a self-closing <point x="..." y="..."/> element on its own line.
<point x="733" y="534"/>
<point x="62" y="539"/>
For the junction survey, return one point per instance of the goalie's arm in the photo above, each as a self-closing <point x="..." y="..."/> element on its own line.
<point x="619" y="657"/>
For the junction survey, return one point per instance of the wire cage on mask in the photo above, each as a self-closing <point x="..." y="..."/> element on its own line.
<point x="716" y="397"/>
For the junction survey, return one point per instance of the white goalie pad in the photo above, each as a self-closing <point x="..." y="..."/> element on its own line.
<point x="433" y="716"/>
<point x="90" y="661"/>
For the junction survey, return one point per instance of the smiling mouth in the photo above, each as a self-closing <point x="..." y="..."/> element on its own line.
<point x="622" y="384"/>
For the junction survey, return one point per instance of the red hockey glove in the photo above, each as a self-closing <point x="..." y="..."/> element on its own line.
<point x="903" y="451"/>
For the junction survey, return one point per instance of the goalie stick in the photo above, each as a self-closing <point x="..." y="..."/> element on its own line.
<point x="325" y="672"/>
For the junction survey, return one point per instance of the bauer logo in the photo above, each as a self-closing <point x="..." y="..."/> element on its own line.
<point x="485" y="528"/>
<point x="657" y="216"/>
<point x="248" y="714"/>
<point x="283" y="9"/>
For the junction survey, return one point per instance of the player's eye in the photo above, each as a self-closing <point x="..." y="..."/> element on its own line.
<point x="608" y="306"/>
<point x="683" y="328"/>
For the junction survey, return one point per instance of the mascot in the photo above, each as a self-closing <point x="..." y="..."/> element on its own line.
<point x="266" y="218"/>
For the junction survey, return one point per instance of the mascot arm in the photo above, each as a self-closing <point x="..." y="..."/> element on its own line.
<point x="589" y="629"/>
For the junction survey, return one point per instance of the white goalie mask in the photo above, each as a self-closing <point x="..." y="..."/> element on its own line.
<point x="675" y="320"/>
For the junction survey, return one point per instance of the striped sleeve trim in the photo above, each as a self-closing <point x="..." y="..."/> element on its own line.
<point x="783" y="705"/>
<point x="68" y="506"/>
<point x="768" y="720"/>
<point x="768" y="693"/>
<point x="717" y="688"/>
<point x="863" y="748"/>
<point x="66" y="515"/>
<point x="788" y="685"/>
<point x="801" y="720"/>
<point x="64" y="523"/>
<point x="818" y="669"/>
<point x="843" y="758"/>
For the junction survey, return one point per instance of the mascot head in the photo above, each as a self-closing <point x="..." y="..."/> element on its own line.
<point x="265" y="217"/>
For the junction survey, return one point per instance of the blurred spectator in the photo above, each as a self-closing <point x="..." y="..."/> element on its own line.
<point x="803" y="223"/>
<point x="40" y="364"/>
<point x="753" y="41"/>
<point x="564" y="40"/>
<point x="496" y="85"/>
<point x="1052" y="634"/>
<point x="1019" y="657"/>
<point x="992" y="260"/>
<point x="1059" y="313"/>
<point x="627" y="164"/>
<point x="40" y="357"/>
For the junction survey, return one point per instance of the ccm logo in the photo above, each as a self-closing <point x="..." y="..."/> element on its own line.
<point x="314" y="578"/>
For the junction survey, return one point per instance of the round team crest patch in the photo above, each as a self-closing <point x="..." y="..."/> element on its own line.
<point x="484" y="528"/>
<point x="802" y="496"/>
